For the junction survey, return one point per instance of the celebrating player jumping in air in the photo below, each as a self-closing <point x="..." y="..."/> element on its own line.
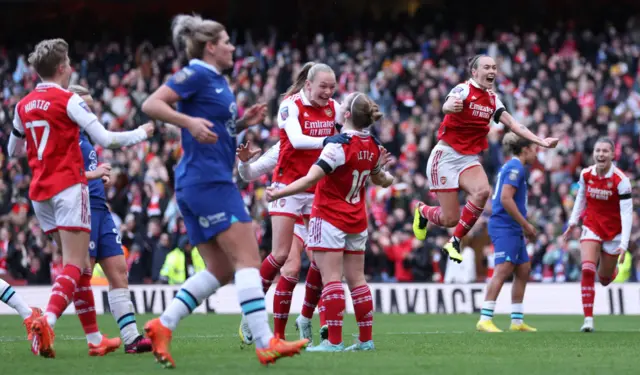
<point x="508" y="226"/>
<point x="48" y="119"/>
<point x="207" y="114"/>
<point x="604" y="203"/>
<point x="454" y="164"/>
<point x="338" y="226"/>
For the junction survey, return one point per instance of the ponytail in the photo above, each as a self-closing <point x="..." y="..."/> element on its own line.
<point x="301" y="78"/>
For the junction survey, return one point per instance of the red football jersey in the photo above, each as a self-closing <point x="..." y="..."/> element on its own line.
<point x="339" y="197"/>
<point x="46" y="117"/>
<point x="466" y="131"/>
<point x="318" y="122"/>
<point x="602" y="194"/>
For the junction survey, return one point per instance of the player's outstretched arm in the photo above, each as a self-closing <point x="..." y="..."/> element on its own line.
<point x="521" y="130"/>
<point x="626" y="212"/>
<point x="249" y="170"/>
<point x="578" y="207"/>
<point x="382" y="178"/>
<point x="298" y="186"/>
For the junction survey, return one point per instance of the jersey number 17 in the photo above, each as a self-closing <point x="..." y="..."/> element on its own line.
<point x="45" y="135"/>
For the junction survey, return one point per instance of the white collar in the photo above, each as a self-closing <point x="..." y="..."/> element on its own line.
<point x="476" y="85"/>
<point x="45" y="84"/>
<point x="304" y="99"/>
<point x="609" y="172"/>
<point x="204" y="65"/>
<point x="364" y="133"/>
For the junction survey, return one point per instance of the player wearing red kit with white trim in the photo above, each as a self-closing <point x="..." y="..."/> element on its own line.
<point x="605" y="205"/>
<point x="49" y="118"/>
<point x="338" y="225"/>
<point x="470" y="108"/>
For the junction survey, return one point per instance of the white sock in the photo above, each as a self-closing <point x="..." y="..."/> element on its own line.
<point x="517" y="313"/>
<point x="193" y="292"/>
<point x="124" y="314"/>
<point x="487" y="310"/>
<point x="94" y="338"/>
<point x="9" y="296"/>
<point x="51" y="318"/>
<point x="251" y="298"/>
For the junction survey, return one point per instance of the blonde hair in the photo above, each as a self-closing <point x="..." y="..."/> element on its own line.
<point x="48" y="55"/>
<point x="301" y="78"/>
<point x="80" y="90"/>
<point x="194" y="32"/>
<point x="364" y="111"/>
<point x="513" y="144"/>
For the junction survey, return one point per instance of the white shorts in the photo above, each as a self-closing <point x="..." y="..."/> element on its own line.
<point x="293" y="206"/>
<point x="608" y="247"/>
<point x="445" y="166"/>
<point x="300" y="231"/>
<point x="325" y="237"/>
<point x="67" y="210"/>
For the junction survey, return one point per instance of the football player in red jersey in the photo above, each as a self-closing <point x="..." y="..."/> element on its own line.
<point x="605" y="206"/>
<point x="47" y="120"/>
<point x="338" y="225"/>
<point x="469" y="109"/>
<point x="306" y="119"/>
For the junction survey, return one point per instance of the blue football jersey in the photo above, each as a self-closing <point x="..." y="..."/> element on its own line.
<point x="97" y="196"/>
<point x="205" y="93"/>
<point x="512" y="173"/>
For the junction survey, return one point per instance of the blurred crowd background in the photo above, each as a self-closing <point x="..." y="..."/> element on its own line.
<point x="561" y="79"/>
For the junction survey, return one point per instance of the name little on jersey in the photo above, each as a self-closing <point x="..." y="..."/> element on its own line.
<point x="481" y="111"/>
<point x="600" y="194"/>
<point x="319" y="128"/>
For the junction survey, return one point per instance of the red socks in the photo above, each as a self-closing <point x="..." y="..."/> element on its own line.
<point x="588" y="287"/>
<point x="433" y="214"/>
<point x="363" y="308"/>
<point x="469" y="216"/>
<point x="268" y="272"/>
<point x="282" y="304"/>
<point x="63" y="290"/>
<point x="85" y="304"/>
<point x="312" y="291"/>
<point x="334" y="304"/>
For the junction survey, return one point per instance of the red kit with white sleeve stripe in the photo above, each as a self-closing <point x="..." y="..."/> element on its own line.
<point x="316" y="122"/>
<point x="48" y="119"/>
<point x="339" y="197"/>
<point x="466" y="131"/>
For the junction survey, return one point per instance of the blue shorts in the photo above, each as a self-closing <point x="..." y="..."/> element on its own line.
<point x="105" y="240"/>
<point x="209" y="210"/>
<point x="509" y="248"/>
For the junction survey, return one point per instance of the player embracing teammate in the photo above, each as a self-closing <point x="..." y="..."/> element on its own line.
<point x="605" y="206"/>
<point x="454" y="164"/>
<point x="338" y="225"/>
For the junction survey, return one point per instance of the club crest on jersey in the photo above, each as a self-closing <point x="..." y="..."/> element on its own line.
<point x="492" y="100"/>
<point x="443" y="180"/>
<point x="609" y="184"/>
<point x="284" y="113"/>
<point x="328" y="112"/>
<point x="85" y="107"/>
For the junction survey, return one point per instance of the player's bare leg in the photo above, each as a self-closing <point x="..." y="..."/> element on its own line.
<point x="500" y="274"/>
<point x="115" y="269"/>
<point x="284" y="289"/>
<point x="520" y="279"/>
<point x="282" y="229"/>
<point x="362" y="300"/>
<point x="446" y="215"/>
<point x="608" y="268"/>
<point x="331" y="266"/>
<point x="198" y="287"/>
<point x="589" y="251"/>
<point x="28" y="314"/>
<point x="75" y="245"/>
<point x="242" y="251"/>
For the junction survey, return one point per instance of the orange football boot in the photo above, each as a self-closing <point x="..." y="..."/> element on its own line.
<point x="35" y="314"/>
<point x="160" y="342"/>
<point x="106" y="346"/>
<point x="43" y="337"/>
<point x="279" y="348"/>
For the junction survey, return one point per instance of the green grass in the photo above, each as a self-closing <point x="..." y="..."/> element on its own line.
<point x="406" y="344"/>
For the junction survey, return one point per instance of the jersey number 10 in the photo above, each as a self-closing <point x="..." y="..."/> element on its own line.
<point x="45" y="135"/>
<point x="356" y="185"/>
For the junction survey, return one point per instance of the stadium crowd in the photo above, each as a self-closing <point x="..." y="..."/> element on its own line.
<point x="570" y="84"/>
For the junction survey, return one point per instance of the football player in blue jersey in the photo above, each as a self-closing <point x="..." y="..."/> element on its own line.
<point x="105" y="246"/>
<point x="214" y="213"/>
<point x="508" y="228"/>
